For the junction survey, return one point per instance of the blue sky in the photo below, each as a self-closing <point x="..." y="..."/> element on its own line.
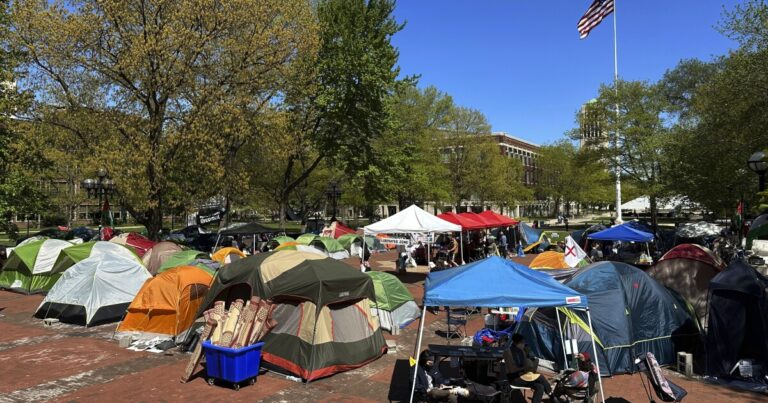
<point x="522" y="64"/>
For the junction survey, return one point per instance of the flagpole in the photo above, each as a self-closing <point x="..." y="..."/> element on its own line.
<point x="616" y="139"/>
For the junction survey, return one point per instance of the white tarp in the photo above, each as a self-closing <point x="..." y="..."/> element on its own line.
<point x="47" y="255"/>
<point x="410" y="220"/>
<point x="98" y="282"/>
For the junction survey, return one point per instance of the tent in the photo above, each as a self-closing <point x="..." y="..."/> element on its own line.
<point x="29" y="268"/>
<point x="306" y="239"/>
<point x="500" y="219"/>
<point x="139" y="243"/>
<point x="73" y="254"/>
<point x="758" y="230"/>
<point x="687" y="269"/>
<point x="532" y="239"/>
<point x="227" y="255"/>
<point x="94" y="291"/>
<point x="496" y="282"/>
<point x="623" y="232"/>
<point x="738" y="319"/>
<point x="485" y="222"/>
<point x="698" y="229"/>
<point x="348" y="240"/>
<point x="552" y="260"/>
<point x="631" y="314"/>
<point x="336" y="230"/>
<point x="331" y="247"/>
<point x="288" y="246"/>
<point x="325" y="325"/>
<point x="394" y="304"/>
<point x="466" y="223"/>
<point x="167" y="304"/>
<point x="158" y="254"/>
<point x="189" y="257"/>
<point x="278" y="240"/>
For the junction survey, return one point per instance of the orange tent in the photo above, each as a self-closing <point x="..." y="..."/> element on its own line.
<point x="227" y="255"/>
<point x="167" y="304"/>
<point x="549" y="260"/>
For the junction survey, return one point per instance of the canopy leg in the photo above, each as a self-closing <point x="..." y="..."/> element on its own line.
<point x="418" y="349"/>
<point x="594" y="351"/>
<point x="562" y="339"/>
<point x="461" y="246"/>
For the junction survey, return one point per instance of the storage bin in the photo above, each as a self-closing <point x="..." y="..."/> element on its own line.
<point x="232" y="365"/>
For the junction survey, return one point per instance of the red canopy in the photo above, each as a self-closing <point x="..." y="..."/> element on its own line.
<point x="502" y="220"/>
<point x="486" y="223"/>
<point x="467" y="223"/>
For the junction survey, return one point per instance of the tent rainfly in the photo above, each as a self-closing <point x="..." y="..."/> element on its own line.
<point x="496" y="282"/>
<point x="29" y="268"/>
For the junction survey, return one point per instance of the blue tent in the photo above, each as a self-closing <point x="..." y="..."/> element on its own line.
<point x="528" y="235"/>
<point x="623" y="232"/>
<point x="497" y="282"/>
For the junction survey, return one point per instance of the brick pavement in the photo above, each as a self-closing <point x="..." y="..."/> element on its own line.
<point x="70" y="363"/>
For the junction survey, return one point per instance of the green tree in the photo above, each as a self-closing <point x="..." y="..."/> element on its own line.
<point x="146" y="85"/>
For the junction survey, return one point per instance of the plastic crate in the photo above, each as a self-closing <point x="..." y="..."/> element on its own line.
<point x="232" y="365"/>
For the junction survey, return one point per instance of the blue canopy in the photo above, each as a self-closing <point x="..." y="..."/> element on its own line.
<point x="622" y="232"/>
<point x="497" y="282"/>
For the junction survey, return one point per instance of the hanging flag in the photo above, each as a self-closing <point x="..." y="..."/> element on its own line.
<point x="573" y="253"/>
<point x="594" y="15"/>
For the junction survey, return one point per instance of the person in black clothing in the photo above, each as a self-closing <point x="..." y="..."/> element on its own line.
<point x="433" y="384"/>
<point x="521" y="370"/>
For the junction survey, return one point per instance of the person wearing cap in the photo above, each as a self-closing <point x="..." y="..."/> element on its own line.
<point x="521" y="370"/>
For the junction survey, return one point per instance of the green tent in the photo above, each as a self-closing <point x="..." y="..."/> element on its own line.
<point x="375" y="244"/>
<point x="306" y="239"/>
<point x="73" y="254"/>
<point x="29" y="267"/>
<point x="188" y="257"/>
<point x="331" y="247"/>
<point x="347" y="240"/>
<point x="394" y="304"/>
<point x="279" y="240"/>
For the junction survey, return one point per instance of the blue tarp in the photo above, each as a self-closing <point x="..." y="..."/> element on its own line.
<point x="622" y="232"/>
<point x="496" y="282"/>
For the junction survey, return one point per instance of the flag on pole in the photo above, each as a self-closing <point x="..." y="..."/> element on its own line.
<point x="594" y="15"/>
<point x="573" y="253"/>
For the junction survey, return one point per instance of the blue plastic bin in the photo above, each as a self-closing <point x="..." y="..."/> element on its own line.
<point x="232" y="365"/>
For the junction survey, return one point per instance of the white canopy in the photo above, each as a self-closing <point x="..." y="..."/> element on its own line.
<point x="643" y="203"/>
<point x="411" y="220"/>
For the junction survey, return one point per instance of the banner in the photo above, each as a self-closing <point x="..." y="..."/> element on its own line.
<point x="210" y="216"/>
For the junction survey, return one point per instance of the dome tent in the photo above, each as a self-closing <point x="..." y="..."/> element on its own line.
<point x="322" y="309"/>
<point x="394" y="304"/>
<point x="138" y="242"/>
<point x="227" y="255"/>
<point x="158" y="254"/>
<point x="277" y="241"/>
<point x="73" y="254"/>
<point x="189" y="257"/>
<point x="94" y="291"/>
<point x="29" y="267"/>
<point x="332" y="247"/>
<point x="167" y="304"/>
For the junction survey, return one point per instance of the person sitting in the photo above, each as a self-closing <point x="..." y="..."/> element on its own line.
<point x="521" y="370"/>
<point x="431" y="383"/>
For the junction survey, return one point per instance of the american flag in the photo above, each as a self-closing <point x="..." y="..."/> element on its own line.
<point x="594" y="15"/>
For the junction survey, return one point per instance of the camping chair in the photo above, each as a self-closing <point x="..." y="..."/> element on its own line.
<point x="664" y="389"/>
<point x="456" y="321"/>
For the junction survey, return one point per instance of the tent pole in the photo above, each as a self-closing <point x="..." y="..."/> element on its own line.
<point x="562" y="339"/>
<point x="461" y="245"/>
<point x="418" y="349"/>
<point x="429" y="252"/>
<point x="594" y="351"/>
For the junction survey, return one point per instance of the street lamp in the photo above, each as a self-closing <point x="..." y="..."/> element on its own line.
<point x="758" y="165"/>
<point x="101" y="188"/>
<point x="334" y="194"/>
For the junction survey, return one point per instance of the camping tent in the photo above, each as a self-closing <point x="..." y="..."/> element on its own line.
<point x="394" y="304"/>
<point x="158" y="254"/>
<point x="139" y="243"/>
<point x="336" y="230"/>
<point x="96" y="290"/>
<point x="278" y="240"/>
<point x="738" y="319"/>
<point x="631" y="314"/>
<point x="687" y="269"/>
<point x="73" y="254"/>
<point x="167" y="304"/>
<point x="552" y="260"/>
<point x="532" y="239"/>
<point x="758" y="230"/>
<point x="623" y="232"/>
<point x="497" y="282"/>
<point x="227" y="255"/>
<point x="331" y="247"/>
<point x="189" y="257"/>
<point x="28" y="269"/>
<point x="500" y="219"/>
<point x="323" y="311"/>
<point x="306" y="239"/>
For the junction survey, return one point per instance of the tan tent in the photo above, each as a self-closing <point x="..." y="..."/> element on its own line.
<point x="158" y="254"/>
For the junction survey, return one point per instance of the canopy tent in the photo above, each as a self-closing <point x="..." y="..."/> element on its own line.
<point x="227" y="255"/>
<point x="394" y="304"/>
<point x="687" y="269"/>
<point x="412" y="220"/>
<point x="500" y="219"/>
<point x="94" y="291"/>
<point x="495" y="282"/>
<point x="643" y="203"/>
<point x="632" y="313"/>
<point x="29" y="267"/>
<point x="622" y="232"/>
<point x="189" y="257"/>
<point x="336" y="230"/>
<point x="73" y="254"/>
<point x="138" y="242"/>
<point x="322" y="309"/>
<point x="486" y="223"/>
<point x="738" y="319"/>
<point x="466" y="223"/>
<point x="331" y="247"/>
<point x="167" y="304"/>
<point x="158" y="254"/>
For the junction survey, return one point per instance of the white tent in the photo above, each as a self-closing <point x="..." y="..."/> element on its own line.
<point x="412" y="220"/>
<point x="47" y="255"/>
<point x="95" y="290"/>
<point x="643" y="203"/>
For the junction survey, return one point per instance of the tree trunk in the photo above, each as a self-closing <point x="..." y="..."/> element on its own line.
<point x="654" y="213"/>
<point x="283" y="211"/>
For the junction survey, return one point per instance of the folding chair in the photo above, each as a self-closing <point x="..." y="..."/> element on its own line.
<point x="456" y="321"/>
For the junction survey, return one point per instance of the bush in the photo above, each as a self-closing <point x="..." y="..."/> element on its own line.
<point x="53" y="220"/>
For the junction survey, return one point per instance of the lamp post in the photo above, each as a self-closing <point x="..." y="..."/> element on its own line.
<point x="99" y="188"/>
<point x="758" y="165"/>
<point x="333" y="193"/>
